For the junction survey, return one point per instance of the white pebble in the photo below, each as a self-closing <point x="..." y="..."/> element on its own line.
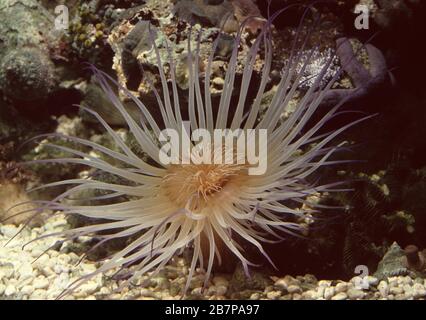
<point x="328" y="293"/>
<point x="27" y="290"/>
<point x="419" y="291"/>
<point x="8" y="230"/>
<point x="25" y="271"/>
<point x="221" y="290"/>
<point x="383" y="288"/>
<point x="324" y="283"/>
<point x="41" y="283"/>
<point x="281" y="284"/>
<point x="220" y="281"/>
<point x="340" y="296"/>
<point x="396" y="290"/>
<point x="355" y="294"/>
<point x="10" y="290"/>
<point x="294" y="289"/>
<point x="341" y="287"/>
<point x="273" y="295"/>
<point x="372" y="281"/>
<point x="38" y="294"/>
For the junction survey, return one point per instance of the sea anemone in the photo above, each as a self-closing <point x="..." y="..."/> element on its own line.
<point x="210" y="207"/>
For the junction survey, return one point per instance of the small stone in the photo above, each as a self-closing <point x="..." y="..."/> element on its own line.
<point x="405" y="280"/>
<point x="341" y="287"/>
<point x="324" y="283"/>
<point x="396" y="290"/>
<point x="383" y="288"/>
<point x="10" y="290"/>
<point x="310" y="295"/>
<point x="27" y="290"/>
<point x="294" y="289"/>
<point x="220" y="281"/>
<point x="38" y="294"/>
<point x="41" y="283"/>
<point x="25" y="271"/>
<point x="255" y="296"/>
<point x="8" y="230"/>
<point x="281" y="284"/>
<point x="297" y="296"/>
<point x="419" y="291"/>
<point x="328" y="293"/>
<point x="221" y="290"/>
<point x="355" y="294"/>
<point x="273" y="295"/>
<point x="400" y="297"/>
<point x="372" y="281"/>
<point x="340" y="296"/>
<point x="218" y="81"/>
<point x="320" y="292"/>
<point x="6" y="270"/>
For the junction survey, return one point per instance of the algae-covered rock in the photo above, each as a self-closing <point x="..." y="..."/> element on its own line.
<point x="27" y="36"/>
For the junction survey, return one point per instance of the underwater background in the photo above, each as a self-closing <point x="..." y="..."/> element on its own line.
<point x="367" y="243"/>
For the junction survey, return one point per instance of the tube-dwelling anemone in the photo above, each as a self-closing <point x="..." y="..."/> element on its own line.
<point x="203" y="205"/>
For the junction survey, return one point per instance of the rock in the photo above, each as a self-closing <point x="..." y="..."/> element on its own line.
<point x="240" y="282"/>
<point x="392" y="263"/>
<point x="29" y="36"/>
<point x="27" y="74"/>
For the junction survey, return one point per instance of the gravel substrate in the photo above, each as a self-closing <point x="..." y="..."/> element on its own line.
<point x="45" y="278"/>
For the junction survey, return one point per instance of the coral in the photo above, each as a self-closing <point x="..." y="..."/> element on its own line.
<point x="365" y="81"/>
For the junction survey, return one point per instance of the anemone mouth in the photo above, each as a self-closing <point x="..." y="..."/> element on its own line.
<point x="196" y="186"/>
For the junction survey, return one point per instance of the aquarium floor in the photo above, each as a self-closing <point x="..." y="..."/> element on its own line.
<point x="26" y="272"/>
